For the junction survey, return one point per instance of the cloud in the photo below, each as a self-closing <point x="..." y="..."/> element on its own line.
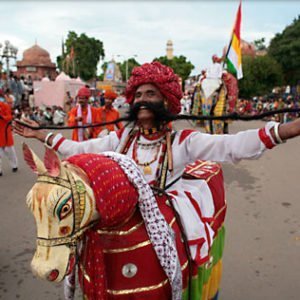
<point x="198" y="29"/>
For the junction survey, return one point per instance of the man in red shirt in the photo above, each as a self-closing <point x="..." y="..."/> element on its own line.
<point x="6" y="138"/>
<point x="108" y="113"/>
<point x="83" y="114"/>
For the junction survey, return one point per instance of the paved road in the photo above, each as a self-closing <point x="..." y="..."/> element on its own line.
<point x="262" y="252"/>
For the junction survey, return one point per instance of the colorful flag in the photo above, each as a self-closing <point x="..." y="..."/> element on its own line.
<point x="234" y="52"/>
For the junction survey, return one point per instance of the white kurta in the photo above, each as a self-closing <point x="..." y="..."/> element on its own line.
<point x="196" y="145"/>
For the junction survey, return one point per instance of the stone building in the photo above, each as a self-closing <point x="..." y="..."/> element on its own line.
<point x="248" y="49"/>
<point x="37" y="64"/>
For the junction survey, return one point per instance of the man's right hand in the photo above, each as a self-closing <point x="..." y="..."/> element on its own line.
<point x="27" y="132"/>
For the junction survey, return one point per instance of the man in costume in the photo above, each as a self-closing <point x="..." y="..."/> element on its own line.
<point x="6" y="137"/>
<point x="161" y="154"/>
<point x="215" y="71"/>
<point x="213" y="78"/>
<point x="83" y="113"/>
<point x="108" y="113"/>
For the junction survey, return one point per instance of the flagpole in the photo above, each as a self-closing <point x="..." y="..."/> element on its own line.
<point x="228" y="48"/>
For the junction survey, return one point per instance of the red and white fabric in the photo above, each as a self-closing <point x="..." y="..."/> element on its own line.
<point x="188" y="146"/>
<point x="88" y="120"/>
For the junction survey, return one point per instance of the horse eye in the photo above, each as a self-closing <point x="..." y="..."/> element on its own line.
<point x="65" y="208"/>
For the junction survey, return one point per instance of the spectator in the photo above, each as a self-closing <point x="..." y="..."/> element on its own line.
<point x="9" y="98"/>
<point x="59" y="116"/>
<point x="108" y="113"/>
<point x="27" y="113"/>
<point x="83" y="114"/>
<point x="31" y="99"/>
<point x="47" y="116"/>
<point x="6" y="138"/>
<point x="102" y="99"/>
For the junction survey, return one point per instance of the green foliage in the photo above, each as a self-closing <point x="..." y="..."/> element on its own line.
<point x="122" y="66"/>
<point x="260" y="44"/>
<point x="260" y="75"/>
<point x="285" y="48"/>
<point x="103" y="67"/>
<point x="131" y="64"/>
<point x="60" y="62"/>
<point x="87" y="53"/>
<point x="179" y="64"/>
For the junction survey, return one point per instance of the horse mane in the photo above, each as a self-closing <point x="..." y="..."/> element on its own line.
<point x="77" y="170"/>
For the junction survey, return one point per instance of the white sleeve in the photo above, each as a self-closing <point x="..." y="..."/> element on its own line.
<point x="224" y="148"/>
<point x="68" y="148"/>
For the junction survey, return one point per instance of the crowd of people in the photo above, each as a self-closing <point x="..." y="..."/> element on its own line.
<point x="259" y="105"/>
<point x="18" y="91"/>
<point x="82" y="110"/>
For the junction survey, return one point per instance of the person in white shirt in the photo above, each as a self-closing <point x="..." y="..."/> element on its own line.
<point x="59" y="116"/>
<point x="215" y="71"/>
<point x="213" y="78"/>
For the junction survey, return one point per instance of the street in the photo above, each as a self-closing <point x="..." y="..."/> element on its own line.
<point x="262" y="248"/>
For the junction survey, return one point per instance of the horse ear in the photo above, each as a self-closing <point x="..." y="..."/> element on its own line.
<point x="52" y="163"/>
<point x="35" y="164"/>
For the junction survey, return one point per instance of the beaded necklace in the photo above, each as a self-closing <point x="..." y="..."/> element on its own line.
<point x="150" y="131"/>
<point x="161" y="172"/>
<point x="146" y="165"/>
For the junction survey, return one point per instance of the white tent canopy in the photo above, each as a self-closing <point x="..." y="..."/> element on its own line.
<point x="62" y="77"/>
<point x="49" y="93"/>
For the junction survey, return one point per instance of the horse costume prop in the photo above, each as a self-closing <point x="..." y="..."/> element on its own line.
<point x="214" y="97"/>
<point x="96" y="213"/>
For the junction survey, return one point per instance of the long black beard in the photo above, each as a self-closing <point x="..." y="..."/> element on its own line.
<point x="161" y="114"/>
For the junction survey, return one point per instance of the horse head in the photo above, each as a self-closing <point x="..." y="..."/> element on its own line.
<point x="63" y="206"/>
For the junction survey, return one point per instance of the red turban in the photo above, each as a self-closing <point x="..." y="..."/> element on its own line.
<point x="215" y="58"/>
<point x="84" y="92"/>
<point x="162" y="77"/>
<point x="109" y="94"/>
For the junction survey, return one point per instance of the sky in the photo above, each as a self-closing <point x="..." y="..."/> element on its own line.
<point x="198" y="29"/>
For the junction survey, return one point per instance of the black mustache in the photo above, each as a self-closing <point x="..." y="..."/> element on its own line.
<point x="232" y="116"/>
<point x="161" y="114"/>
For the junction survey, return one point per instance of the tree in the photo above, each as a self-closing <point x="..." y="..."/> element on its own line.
<point x="260" y="44"/>
<point x="131" y="64"/>
<point x="285" y="48"/>
<point x="261" y="75"/>
<point x="179" y="64"/>
<point x="82" y="56"/>
<point x="103" y="67"/>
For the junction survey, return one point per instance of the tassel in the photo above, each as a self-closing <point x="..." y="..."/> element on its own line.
<point x="169" y="152"/>
<point x="70" y="285"/>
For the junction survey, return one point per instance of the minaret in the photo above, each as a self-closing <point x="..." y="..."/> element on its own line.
<point x="62" y="47"/>
<point x="170" y="50"/>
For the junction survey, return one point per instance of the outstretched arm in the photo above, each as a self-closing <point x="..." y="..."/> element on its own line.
<point x="249" y="144"/>
<point x="64" y="146"/>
